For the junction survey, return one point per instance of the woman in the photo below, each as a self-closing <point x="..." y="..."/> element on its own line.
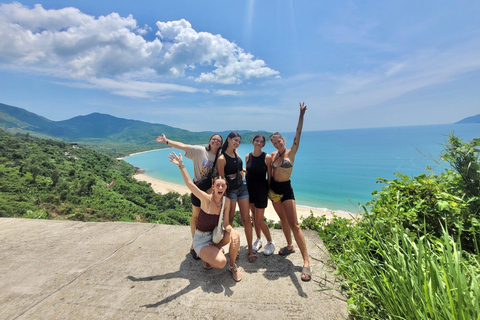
<point x="210" y="206"/>
<point x="258" y="169"/>
<point x="230" y="166"/>
<point x="203" y="159"/>
<point x="281" y="193"/>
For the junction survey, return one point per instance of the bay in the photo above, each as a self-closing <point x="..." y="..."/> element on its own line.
<point x="338" y="169"/>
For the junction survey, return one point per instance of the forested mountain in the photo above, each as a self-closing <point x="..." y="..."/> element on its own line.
<point x="101" y="132"/>
<point x="43" y="178"/>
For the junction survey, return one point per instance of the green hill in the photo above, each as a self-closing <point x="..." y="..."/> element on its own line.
<point x="43" y="178"/>
<point x="101" y="132"/>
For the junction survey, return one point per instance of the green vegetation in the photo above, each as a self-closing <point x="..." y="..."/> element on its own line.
<point x="415" y="255"/>
<point x="48" y="179"/>
<point x="104" y="133"/>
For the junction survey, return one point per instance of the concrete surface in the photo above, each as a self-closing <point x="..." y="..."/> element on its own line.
<point x="118" y="270"/>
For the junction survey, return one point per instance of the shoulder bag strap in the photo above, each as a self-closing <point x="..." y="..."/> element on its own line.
<point x="220" y="219"/>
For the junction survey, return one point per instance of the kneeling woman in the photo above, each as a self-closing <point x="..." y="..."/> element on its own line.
<point x="210" y="207"/>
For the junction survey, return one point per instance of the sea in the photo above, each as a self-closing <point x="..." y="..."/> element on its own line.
<point x="338" y="169"/>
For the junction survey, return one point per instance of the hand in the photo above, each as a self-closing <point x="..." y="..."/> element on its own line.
<point x="162" y="139"/>
<point x="303" y="108"/>
<point x="176" y="160"/>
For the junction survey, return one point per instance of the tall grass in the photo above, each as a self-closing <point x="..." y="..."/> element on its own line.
<point x="401" y="278"/>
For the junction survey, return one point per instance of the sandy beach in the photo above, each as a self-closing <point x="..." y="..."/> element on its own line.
<point x="163" y="187"/>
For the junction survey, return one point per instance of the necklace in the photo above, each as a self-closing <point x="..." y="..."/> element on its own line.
<point x="280" y="154"/>
<point x="217" y="204"/>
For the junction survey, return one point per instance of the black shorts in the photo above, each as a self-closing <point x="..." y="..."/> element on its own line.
<point x="283" y="189"/>
<point x="258" y="193"/>
<point x="195" y="201"/>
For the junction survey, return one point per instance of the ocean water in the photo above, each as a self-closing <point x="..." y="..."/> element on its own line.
<point x="338" y="169"/>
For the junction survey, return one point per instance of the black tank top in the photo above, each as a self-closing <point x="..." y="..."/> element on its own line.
<point x="256" y="168"/>
<point x="233" y="165"/>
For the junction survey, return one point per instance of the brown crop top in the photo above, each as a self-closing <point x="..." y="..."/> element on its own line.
<point x="207" y="222"/>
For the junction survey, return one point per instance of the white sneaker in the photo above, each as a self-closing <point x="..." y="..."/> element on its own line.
<point x="257" y="244"/>
<point x="269" y="248"/>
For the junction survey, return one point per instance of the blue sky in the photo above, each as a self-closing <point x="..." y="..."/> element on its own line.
<point x="231" y="65"/>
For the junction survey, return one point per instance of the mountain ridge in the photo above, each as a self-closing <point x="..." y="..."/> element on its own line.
<point x="102" y="132"/>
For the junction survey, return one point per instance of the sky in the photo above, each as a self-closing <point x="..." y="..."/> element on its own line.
<point x="217" y="65"/>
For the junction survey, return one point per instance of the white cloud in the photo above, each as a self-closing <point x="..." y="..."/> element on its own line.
<point x="70" y="44"/>
<point x="185" y="47"/>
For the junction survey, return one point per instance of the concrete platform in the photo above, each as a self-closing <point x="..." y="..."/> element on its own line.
<point x="117" y="270"/>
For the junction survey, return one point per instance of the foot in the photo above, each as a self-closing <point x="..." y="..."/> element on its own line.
<point x="252" y="256"/>
<point x="236" y="274"/>
<point x="306" y="274"/>
<point x="285" y="251"/>
<point x="194" y="254"/>
<point x="257" y="244"/>
<point x="269" y="248"/>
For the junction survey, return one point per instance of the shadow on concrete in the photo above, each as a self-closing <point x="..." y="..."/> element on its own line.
<point x="210" y="281"/>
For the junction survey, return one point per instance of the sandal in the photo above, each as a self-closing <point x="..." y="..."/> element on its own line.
<point x="207" y="266"/>
<point x="306" y="274"/>
<point x="285" y="251"/>
<point x="235" y="272"/>
<point x="252" y="256"/>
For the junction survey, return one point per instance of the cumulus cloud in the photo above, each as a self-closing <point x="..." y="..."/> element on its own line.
<point x="101" y="50"/>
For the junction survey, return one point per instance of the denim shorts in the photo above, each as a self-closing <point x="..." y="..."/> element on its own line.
<point x="238" y="194"/>
<point x="201" y="239"/>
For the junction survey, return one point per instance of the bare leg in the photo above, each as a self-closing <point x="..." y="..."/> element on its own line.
<point x="194" y="218"/>
<point x="247" y="223"/>
<point x="291" y="215"/>
<point x="234" y="247"/>
<point x="259" y="213"/>
<point x="284" y="223"/>
<point x="213" y="256"/>
<point x="231" y="214"/>
<point x="258" y="231"/>
<point x="193" y="221"/>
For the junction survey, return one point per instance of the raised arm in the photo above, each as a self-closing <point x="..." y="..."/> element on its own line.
<point x="298" y="132"/>
<point x="171" y="143"/>
<point x="178" y="161"/>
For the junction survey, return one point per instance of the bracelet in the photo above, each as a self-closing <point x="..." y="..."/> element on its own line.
<point x="181" y="166"/>
<point x="166" y="142"/>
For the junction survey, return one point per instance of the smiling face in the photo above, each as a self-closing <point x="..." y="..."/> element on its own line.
<point x="259" y="142"/>
<point x="215" y="142"/>
<point x="278" y="143"/>
<point x="234" y="142"/>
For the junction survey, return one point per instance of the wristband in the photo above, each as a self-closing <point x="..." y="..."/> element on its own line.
<point x="181" y="166"/>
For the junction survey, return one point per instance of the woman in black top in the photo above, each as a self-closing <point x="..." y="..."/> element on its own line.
<point x="258" y="169"/>
<point x="230" y="165"/>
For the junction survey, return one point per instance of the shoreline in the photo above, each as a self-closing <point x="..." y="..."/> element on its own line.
<point x="163" y="187"/>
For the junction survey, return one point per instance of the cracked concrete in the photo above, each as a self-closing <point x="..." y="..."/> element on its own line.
<point x="118" y="270"/>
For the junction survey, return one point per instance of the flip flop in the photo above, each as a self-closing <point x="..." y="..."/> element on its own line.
<point x="207" y="266"/>
<point x="285" y="251"/>
<point x="306" y="274"/>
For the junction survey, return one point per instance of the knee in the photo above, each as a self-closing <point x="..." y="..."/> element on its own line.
<point x="222" y="261"/>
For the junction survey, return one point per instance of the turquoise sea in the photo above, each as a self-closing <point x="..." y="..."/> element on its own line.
<point x="337" y="169"/>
